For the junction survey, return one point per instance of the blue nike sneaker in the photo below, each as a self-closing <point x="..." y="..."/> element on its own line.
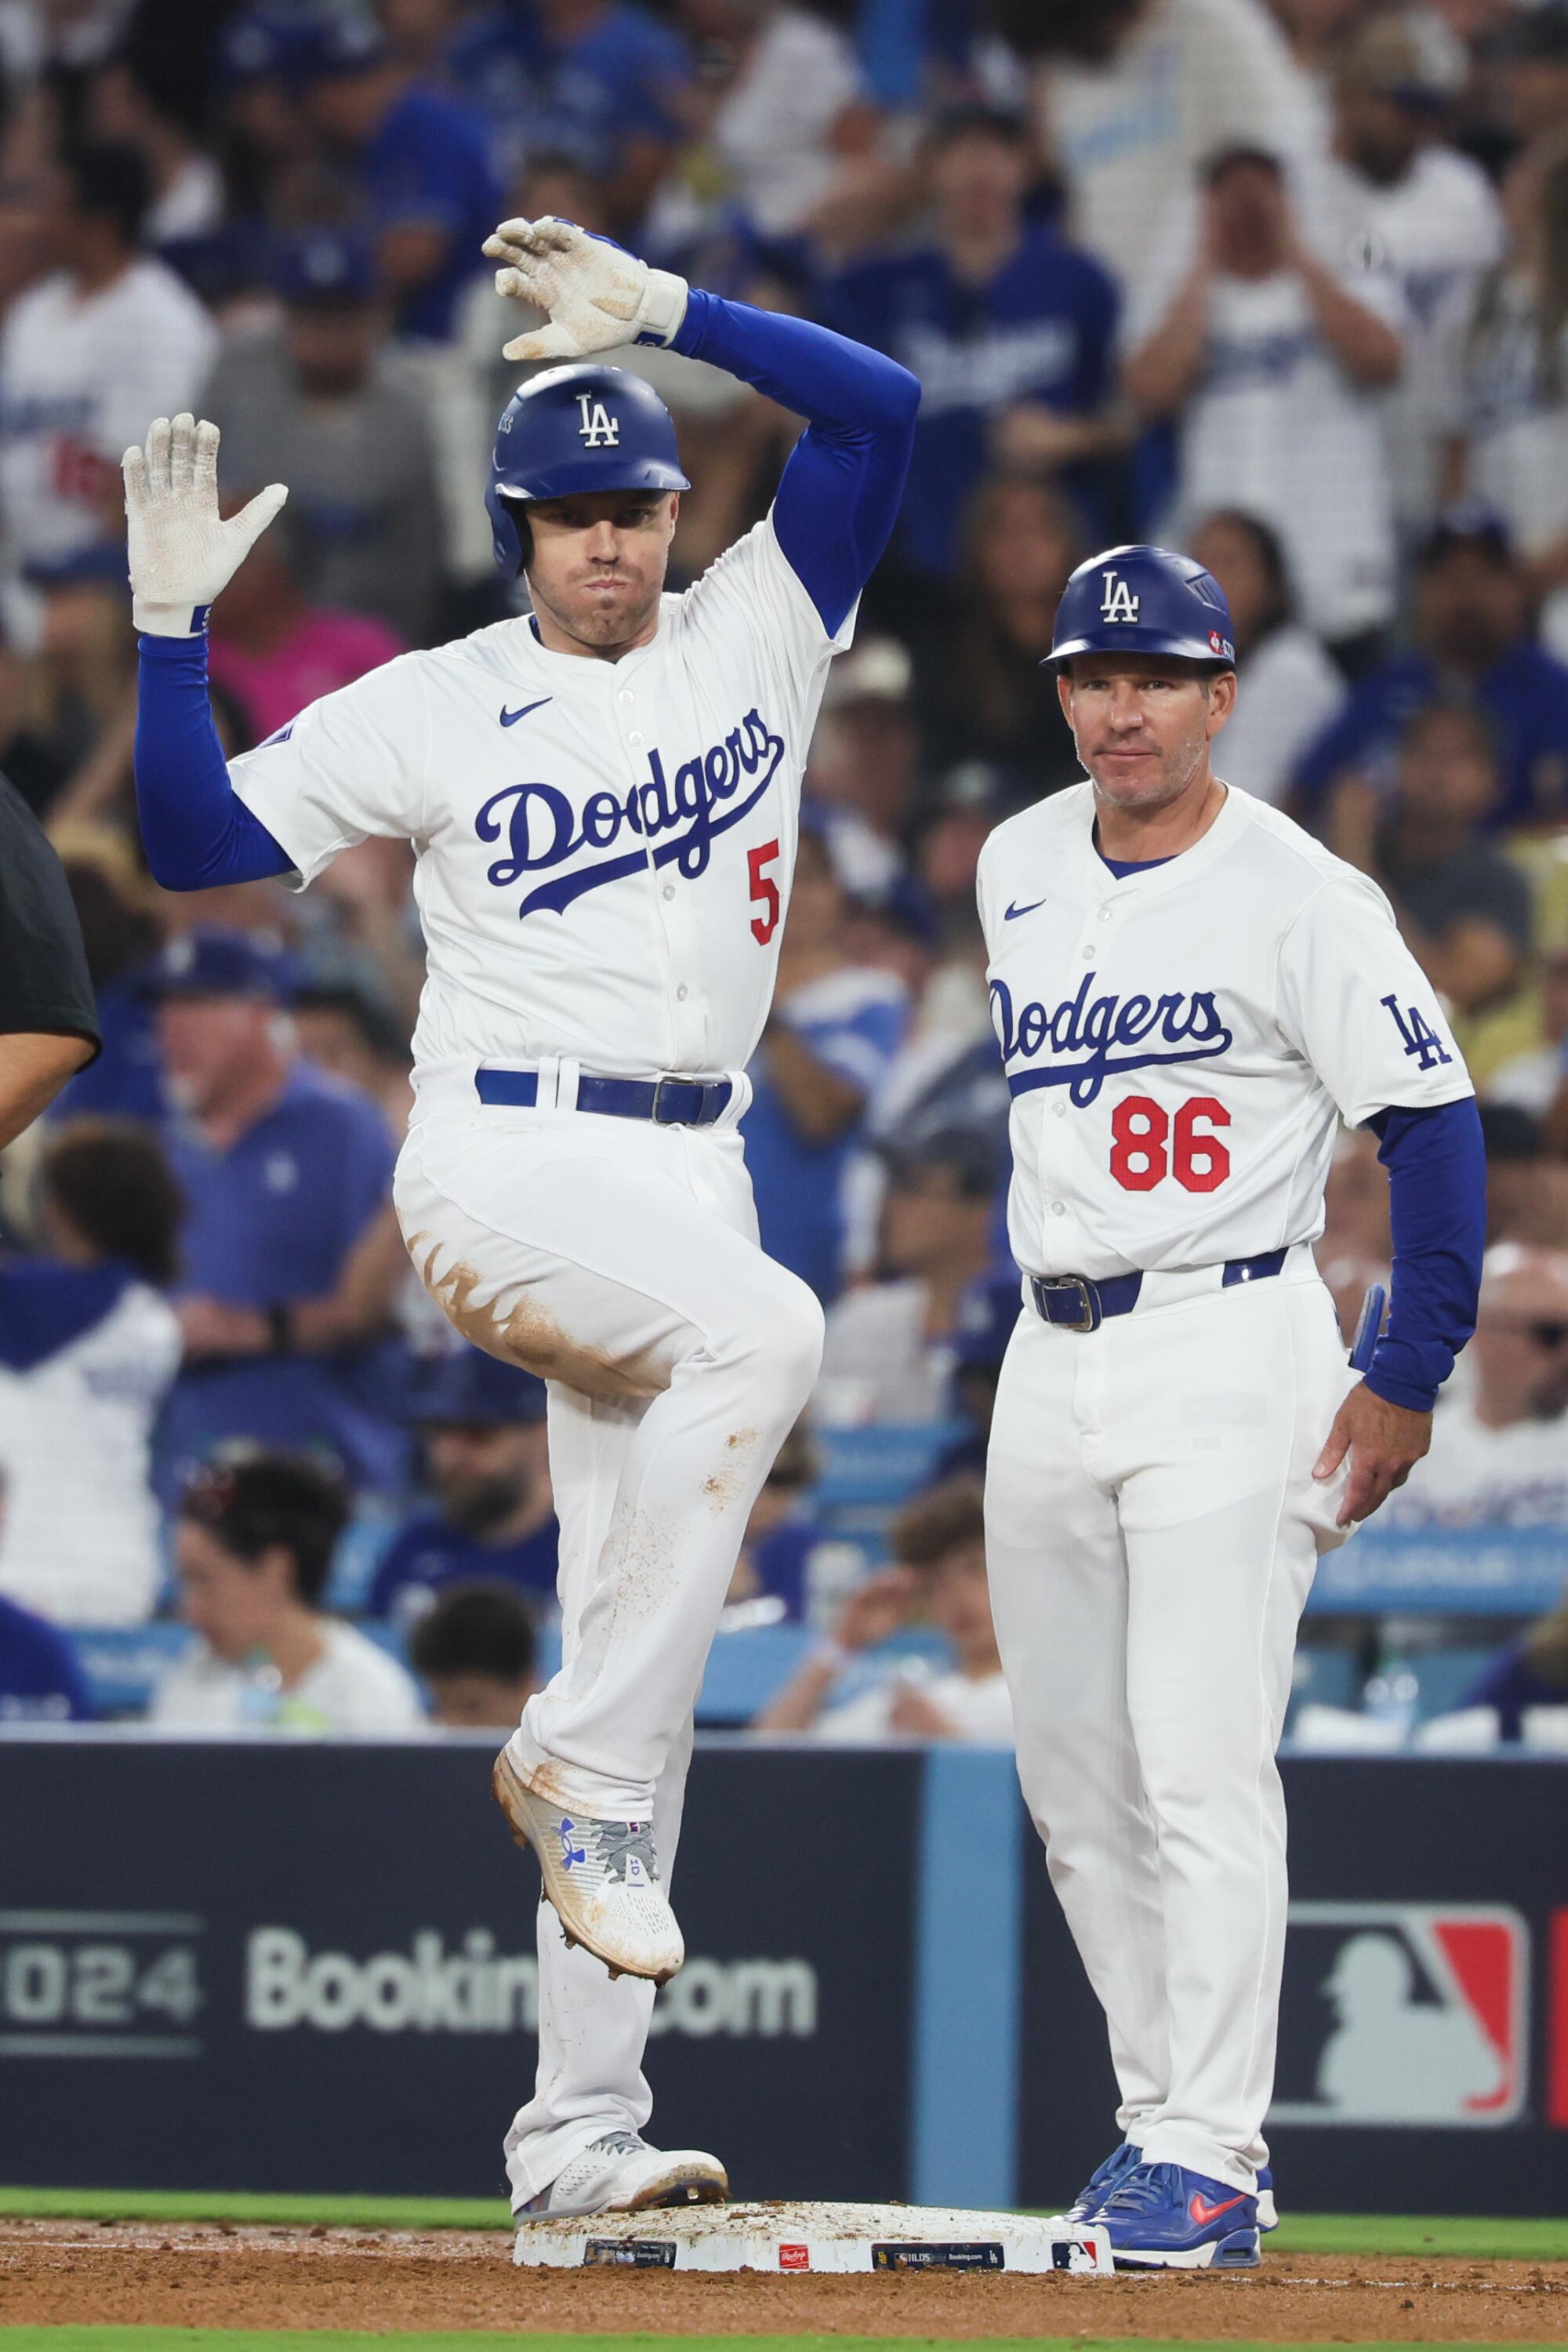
<point x="1101" y="2181"/>
<point x="1162" y="2217"/>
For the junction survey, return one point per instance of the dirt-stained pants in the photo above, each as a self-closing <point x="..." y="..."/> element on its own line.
<point x="620" y="1260"/>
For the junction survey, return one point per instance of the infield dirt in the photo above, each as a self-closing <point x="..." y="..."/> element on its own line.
<point x="150" y="2274"/>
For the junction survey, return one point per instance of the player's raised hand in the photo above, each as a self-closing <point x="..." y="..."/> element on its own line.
<point x="593" y="295"/>
<point x="1384" y="1443"/>
<point x="182" y="553"/>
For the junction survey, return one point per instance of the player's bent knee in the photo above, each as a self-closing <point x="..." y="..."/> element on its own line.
<point x="781" y="1339"/>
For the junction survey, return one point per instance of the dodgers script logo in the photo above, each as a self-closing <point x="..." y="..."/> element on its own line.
<point x="674" y="816"/>
<point x="1190" y="1027"/>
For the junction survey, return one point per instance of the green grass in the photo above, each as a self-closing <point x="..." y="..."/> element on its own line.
<point x="1463" y="2237"/>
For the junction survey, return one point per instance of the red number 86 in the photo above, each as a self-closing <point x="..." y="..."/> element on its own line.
<point x="1143" y="1130"/>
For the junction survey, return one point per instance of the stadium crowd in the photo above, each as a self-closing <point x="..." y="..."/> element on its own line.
<point x="1283" y="282"/>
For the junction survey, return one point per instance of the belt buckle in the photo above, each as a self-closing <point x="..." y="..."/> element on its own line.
<point x="1090" y="1318"/>
<point x="654" y="1111"/>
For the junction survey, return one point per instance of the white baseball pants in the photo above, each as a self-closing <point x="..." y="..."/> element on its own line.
<point x="1153" y="1527"/>
<point x="621" y="1261"/>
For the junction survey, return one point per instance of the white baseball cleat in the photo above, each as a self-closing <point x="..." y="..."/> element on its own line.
<point x="601" y="1875"/>
<point x="621" y="2174"/>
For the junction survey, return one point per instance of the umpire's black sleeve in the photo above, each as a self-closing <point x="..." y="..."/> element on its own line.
<point x="44" y="984"/>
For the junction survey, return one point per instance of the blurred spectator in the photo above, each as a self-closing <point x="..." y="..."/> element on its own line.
<point x="965" y="803"/>
<point x="775" y="1553"/>
<point x="1316" y="33"/>
<point x="49" y="1026"/>
<point x="979" y="643"/>
<point x="130" y="103"/>
<point x="1133" y="96"/>
<point x="777" y="103"/>
<point x="1471" y="635"/>
<point x="120" y="935"/>
<point x="1515" y="409"/>
<point x="987" y="1317"/>
<point x="108" y="340"/>
<point x="291" y="1253"/>
<point x="273" y="650"/>
<point x="474" y="1651"/>
<point x="865" y="764"/>
<point x="825" y="1049"/>
<point x="1534" y="1079"/>
<point x="419" y="160"/>
<point x="1435" y="216"/>
<point x="1526" y="1188"/>
<point x="1288" y="690"/>
<point x="350" y="1034"/>
<point x="1531" y="52"/>
<point x="1499" y="1447"/>
<point x="1270" y="357"/>
<point x="939" y="1549"/>
<point x="88" y="1348"/>
<point x="890" y="1344"/>
<point x="1531" y="1672"/>
<point x="1464" y="907"/>
<point x="601" y="80"/>
<point x="1010" y="330"/>
<point x="40" y="1679"/>
<point x="481" y="1429"/>
<point x="316" y="402"/>
<point x="253" y="1546"/>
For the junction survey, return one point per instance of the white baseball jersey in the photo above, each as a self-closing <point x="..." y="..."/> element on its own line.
<point x="604" y="848"/>
<point x="79" y="377"/>
<point x="1180" y="1044"/>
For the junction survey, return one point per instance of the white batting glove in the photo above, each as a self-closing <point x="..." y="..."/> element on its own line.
<point x="182" y="555"/>
<point x="593" y="295"/>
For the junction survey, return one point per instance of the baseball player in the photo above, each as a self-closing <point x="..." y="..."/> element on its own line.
<point x="1190" y="992"/>
<point x="603" y="799"/>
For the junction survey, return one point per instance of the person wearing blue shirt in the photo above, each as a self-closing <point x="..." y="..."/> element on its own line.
<point x="589" y="78"/>
<point x="41" y="1679"/>
<point x="1010" y="330"/>
<point x="828" y="1045"/>
<point x="1472" y="642"/>
<point x="482" y="1425"/>
<point x="290" y="1253"/>
<point x="422" y="163"/>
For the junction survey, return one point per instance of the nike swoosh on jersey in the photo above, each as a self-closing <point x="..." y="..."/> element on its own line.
<point x="1203" y="2212"/>
<point x="1015" y="911"/>
<point x="511" y="717"/>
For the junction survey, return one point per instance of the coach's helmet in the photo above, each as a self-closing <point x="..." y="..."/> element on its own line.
<point x="572" y="430"/>
<point x="1143" y="600"/>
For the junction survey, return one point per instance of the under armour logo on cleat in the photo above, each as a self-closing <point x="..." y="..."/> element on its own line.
<point x="570" y="1852"/>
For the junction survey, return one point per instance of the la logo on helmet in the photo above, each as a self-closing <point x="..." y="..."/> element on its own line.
<point x="1119" y="605"/>
<point x="599" y="429"/>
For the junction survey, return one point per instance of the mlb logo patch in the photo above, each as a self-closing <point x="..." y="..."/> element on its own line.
<point x="1403" y="2014"/>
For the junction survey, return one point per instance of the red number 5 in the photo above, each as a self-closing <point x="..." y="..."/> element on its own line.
<point x="1197" y="1158"/>
<point x="764" y="892"/>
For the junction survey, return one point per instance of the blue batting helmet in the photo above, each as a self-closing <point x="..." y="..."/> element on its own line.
<point x="572" y="430"/>
<point x="1143" y="600"/>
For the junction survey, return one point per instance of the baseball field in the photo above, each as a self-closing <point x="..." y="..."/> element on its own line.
<point x="107" y="2273"/>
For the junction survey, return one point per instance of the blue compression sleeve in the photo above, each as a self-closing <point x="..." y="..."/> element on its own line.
<point x="839" y="499"/>
<point x="1436" y="1165"/>
<point x="196" y="833"/>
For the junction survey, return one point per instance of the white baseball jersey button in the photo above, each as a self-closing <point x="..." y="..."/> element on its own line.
<point x="1105" y="914"/>
<point x="505" y="766"/>
<point x="1058" y="1209"/>
<point x="668" y="891"/>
